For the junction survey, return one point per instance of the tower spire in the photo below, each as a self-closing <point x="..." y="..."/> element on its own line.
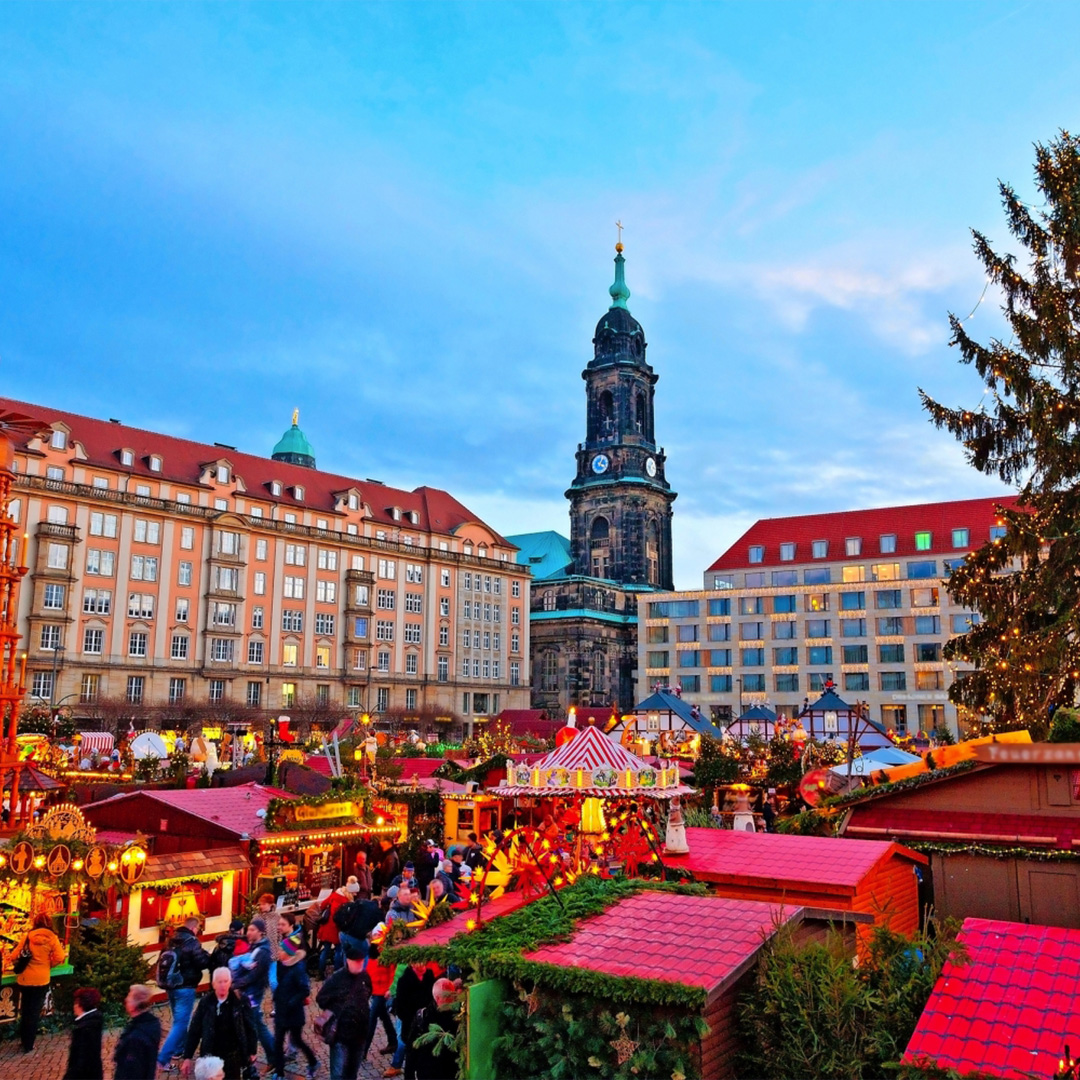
<point x="619" y="291"/>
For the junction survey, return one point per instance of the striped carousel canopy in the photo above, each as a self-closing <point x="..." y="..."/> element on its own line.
<point x="592" y="764"/>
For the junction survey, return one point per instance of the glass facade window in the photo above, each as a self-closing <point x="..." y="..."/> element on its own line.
<point x="752" y="657"/>
<point x="888" y="598"/>
<point x="784" y="605"/>
<point x="890" y="626"/>
<point x="853" y="547"/>
<point x="819" y="654"/>
<point x="720" y="631"/>
<point x="687" y="632"/>
<point x="853" y="628"/>
<point x="720" y="684"/>
<point x="817" y="628"/>
<point x="818" y="679"/>
<point x="855" y="654"/>
<point x="817" y="601"/>
<point x="893" y="680"/>
<point x="885" y="571"/>
<point x="751" y="631"/>
<point x="656" y="659"/>
<point x="963" y="622"/>
<point x="720" y="607"/>
<point x="894" y="718"/>
<point x="690" y="684"/>
<point x="656" y="635"/>
<point x="819" y="549"/>
<point x="756" y="580"/>
<point x="674" y="609"/>
<point x="929" y="680"/>
<point x="787" y="552"/>
<point x="887" y="543"/>
<point x="891" y="654"/>
<point x="756" y="553"/>
<point x="852" y="601"/>
<point x="923" y="541"/>
<point x="784" y="631"/>
<point x="782" y="578"/>
<point x="856" y="680"/>
<point x="817" y="575"/>
<point x="787" y="683"/>
<point x="751" y="605"/>
<point x="690" y="658"/>
<point x="925" y="569"/>
<point x="718" y="657"/>
<point x="924" y="598"/>
<point x="753" y="684"/>
<point x="961" y="538"/>
<point x="853" y="574"/>
<point x="927" y="624"/>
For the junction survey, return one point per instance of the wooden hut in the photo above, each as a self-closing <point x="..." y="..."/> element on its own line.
<point x="995" y="829"/>
<point x="876" y="878"/>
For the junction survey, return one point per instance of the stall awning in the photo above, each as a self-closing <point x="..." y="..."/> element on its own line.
<point x="331" y="835"/>
<point x="31" y="779"/>
<point x="599" y="792"/>
<point x="184" y="865"/>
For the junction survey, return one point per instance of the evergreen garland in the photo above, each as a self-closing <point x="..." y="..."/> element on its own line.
<point x="864" y="794"/>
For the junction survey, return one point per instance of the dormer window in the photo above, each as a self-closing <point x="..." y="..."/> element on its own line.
<point x="354" y="502"/>
<point x="275" y="487"/>
<point x="298" y="493"/>
<point x="395" y="512"/>
<point x="223" y="474"/>
<point x="819" y="549"/>
<point x="414" y="517"/>
<point x="58" y="440"/>
<point x="155" y="463"/>
<point x="127" y="457"/>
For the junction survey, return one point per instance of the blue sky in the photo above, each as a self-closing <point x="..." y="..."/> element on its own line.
<point x="399" y="218"/>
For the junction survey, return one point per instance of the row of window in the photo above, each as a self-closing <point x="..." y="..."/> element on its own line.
<point x="887" y="626"/>
<point x="853" y="545"/>
<point x="788" y="656"/>
<point x="789" y="683"/>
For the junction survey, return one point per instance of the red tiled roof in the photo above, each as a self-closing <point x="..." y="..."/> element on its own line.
<point x="885" y="819"/>
<point x="939" y="519"/>
<point x="233" y="808"/>
<point x="776" y="859"/>
<point x="191" y="864"/>
<point x="1007" y="1011"/>
<point x="441" y="934"/>
<point x="183" y="462"/>
<point x="694" y="940"/>
<point x="423" y="767"/>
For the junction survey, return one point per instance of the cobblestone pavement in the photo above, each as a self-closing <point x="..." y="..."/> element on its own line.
<point x="49" y="1058"/>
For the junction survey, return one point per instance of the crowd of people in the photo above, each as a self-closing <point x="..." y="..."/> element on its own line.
<point x="259" y="971"/>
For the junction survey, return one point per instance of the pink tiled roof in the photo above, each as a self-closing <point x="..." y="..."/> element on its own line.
<point x="1009" y="1010"/>
<point x="694" y="940"/>
<point x="232" y="808"/>
<point x="183" y="462"/>
<point x="776" y="859"/>
<point x="939" y="519"/>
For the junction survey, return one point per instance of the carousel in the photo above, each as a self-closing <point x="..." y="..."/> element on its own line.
<point x="599" y="801"/>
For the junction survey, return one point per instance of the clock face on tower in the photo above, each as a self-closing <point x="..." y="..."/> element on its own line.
<point x="650" y="466"/>
<point x="600" y="464"/>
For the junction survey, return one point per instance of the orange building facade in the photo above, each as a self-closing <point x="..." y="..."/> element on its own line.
<point x="165" y="572"/>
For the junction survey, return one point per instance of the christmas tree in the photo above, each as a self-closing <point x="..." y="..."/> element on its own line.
<point x="1026" y="583"/>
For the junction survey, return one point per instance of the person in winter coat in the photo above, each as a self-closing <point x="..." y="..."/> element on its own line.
<point x="231" y="943"/>
<point x="252" y="979"/>
<point x="45" y="953"/>
<point x="136" y="1049"/>
<point x="382" y="978"/>
<point x="84" y="1054"/>
<point x="413" y="994"/>
<point x="192" y="960"/>
<point x="474" y="853"/>
<point x="290" y="997"/>
<point x="435" y="1061"/>
<point x="363" y="875"/>
<point x="347" y="994"/>
<point x="431" y="1061"/>
<point x="222" y="1027"/>
<point x="329" y="934"/>
<point x="390" y="866"/>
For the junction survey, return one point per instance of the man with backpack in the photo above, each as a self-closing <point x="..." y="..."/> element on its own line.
<point x="229" y="944"/>
<point x="179" y="973"/>
<point x="346" y="996"/>
<point x="356" y="918"/>
<point x="252" y="978"/>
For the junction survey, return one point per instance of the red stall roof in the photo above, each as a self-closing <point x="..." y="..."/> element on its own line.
<point x="232" y="808"/>
<point x="705" y="941"/>
<point x="821" y="862"/>
<point x="1009" y="1010"/>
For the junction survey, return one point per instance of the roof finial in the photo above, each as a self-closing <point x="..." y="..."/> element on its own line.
<point x="295" y="417"/>
<point x="619" y="291"/>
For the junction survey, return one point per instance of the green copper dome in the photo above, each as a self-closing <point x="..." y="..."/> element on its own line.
<point x="293" y="446"/>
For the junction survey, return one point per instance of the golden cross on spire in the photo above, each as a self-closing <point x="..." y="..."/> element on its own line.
<point x="619" y="226"/>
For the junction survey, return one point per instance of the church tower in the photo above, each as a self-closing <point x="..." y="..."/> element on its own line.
<point x="293" y="446"/>
<point x="620" y="501"/>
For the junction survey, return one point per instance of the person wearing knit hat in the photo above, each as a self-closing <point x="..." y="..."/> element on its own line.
<point x="260" y="924"/>
<point x="290" y="994"/>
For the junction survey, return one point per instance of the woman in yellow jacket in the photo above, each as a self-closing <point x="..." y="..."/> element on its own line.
<point x="45" y="953"/>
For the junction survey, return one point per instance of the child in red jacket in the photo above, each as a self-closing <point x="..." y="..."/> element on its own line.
<point x="382" y="978"/>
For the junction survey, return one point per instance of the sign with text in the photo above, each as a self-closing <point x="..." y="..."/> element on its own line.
<point x="324" y="811"/>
